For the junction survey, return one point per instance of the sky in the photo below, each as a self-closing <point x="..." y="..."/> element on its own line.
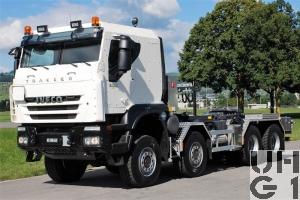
<point x="172" y="19"/>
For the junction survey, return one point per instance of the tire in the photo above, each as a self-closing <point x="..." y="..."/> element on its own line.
<point x="63" y="171"/>
<point x="252" y="141"/>
<point x="273" y="138"/>
<point x="112" y="169"/>
<point x="189" y="165"/>
<point x="135" y="172"/>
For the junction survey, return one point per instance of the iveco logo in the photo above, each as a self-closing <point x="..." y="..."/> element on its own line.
<point x="53" y="99"/>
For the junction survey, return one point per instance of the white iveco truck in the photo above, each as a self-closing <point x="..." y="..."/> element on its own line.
<point x="97" y="94"/>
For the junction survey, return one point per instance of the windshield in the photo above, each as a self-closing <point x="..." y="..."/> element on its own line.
<point x="61" y="53"/>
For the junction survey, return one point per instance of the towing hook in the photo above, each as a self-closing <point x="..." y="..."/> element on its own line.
<point x="33" y="156"/>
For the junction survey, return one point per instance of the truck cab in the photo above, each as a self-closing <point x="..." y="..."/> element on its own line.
<point x="82" y="74"/>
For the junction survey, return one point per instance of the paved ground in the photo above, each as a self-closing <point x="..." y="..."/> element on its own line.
<point x="221" y="181"/>
<point x="8" y="125"/>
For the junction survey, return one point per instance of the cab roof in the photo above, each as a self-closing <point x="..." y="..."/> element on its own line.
<point x="112" y="28"/>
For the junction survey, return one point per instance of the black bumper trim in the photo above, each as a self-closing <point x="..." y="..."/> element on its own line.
<point x="75" y="148"/>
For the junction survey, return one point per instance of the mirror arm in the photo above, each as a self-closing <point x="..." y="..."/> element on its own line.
<point x="12" y="51"/>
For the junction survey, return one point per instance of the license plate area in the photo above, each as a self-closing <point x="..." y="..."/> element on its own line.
<point x="51" y="140"/>
<point x="54" y="139"/>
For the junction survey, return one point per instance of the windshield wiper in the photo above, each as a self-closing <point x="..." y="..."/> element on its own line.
<point x="32" y="68"/>
<point x="88" y="64"/>
<point x="42" y="66"/>
<point x="74" y="65"/>
<point x="45" y="67"/>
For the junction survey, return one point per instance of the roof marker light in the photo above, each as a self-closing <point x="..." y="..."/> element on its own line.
<point x="95" y="21"/>
<point x="27" y="30"/>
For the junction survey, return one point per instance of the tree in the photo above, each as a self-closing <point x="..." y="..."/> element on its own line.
<point x="216" y="53"/>
<point x="294" y="85"/>
<point x="221" y="101"/>
<point x="276" y="48"/>
<point x="288" y="99"/>
<point x="6" y="77"/>
<point x="244" y="45"/>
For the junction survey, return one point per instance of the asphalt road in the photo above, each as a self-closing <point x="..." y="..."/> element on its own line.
<point x="222" y="181"/>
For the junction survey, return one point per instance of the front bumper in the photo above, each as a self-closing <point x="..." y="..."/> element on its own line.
<point x="84" y="142"/>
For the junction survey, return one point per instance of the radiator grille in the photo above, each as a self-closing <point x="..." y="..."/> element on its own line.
<point x="52" y="116"/>
<point x="66" y="108"/>
<point x="51" y="108"/>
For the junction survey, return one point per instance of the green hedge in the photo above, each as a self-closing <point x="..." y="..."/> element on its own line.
<point x="4" y="105"/>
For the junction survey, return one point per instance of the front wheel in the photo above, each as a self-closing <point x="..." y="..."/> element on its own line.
<point x="142" y="167"/>
<point x="64" y="170"/>
<point x="195" y="156"/>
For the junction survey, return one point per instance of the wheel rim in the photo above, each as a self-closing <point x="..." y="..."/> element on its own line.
<point x="275" y="142"/>
<point x="253" y="144"/>
<point x="196" y="154"/>
<point x="147" y="161"/>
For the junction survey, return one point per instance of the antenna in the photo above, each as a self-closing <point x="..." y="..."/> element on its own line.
<point x="134" y="21"/>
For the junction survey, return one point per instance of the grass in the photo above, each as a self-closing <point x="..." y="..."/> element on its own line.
<point x="12" y="158"/>
<point x="4" y="116"/>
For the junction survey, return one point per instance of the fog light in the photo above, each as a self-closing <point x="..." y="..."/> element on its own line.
<point x="23" y="140"/>
<point x="91" y="141"/>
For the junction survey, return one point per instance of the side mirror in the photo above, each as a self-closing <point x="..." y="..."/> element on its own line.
<point x="16" y="52"/>
<point x="123" y="51"/>
<point x="124" y="54"/>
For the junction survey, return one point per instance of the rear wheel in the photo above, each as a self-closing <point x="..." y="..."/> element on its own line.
<point x="252" y="142"/>
<point x="195" y="156"/>
<point x="64" y="170"/>
<point x="273" y="138"/>
<point x="142" y="167"/>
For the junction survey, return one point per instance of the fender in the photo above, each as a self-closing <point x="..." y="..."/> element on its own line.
<point x="136" y="112"/>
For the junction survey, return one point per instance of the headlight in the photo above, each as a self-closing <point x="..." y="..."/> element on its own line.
<point x="91" y="141"/>
<point x="18" y="93"/>
<point x="23" y="140"/>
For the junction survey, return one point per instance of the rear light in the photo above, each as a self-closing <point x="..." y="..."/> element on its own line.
<point x="27" y="30"/>
<point x="95" y="21"/>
